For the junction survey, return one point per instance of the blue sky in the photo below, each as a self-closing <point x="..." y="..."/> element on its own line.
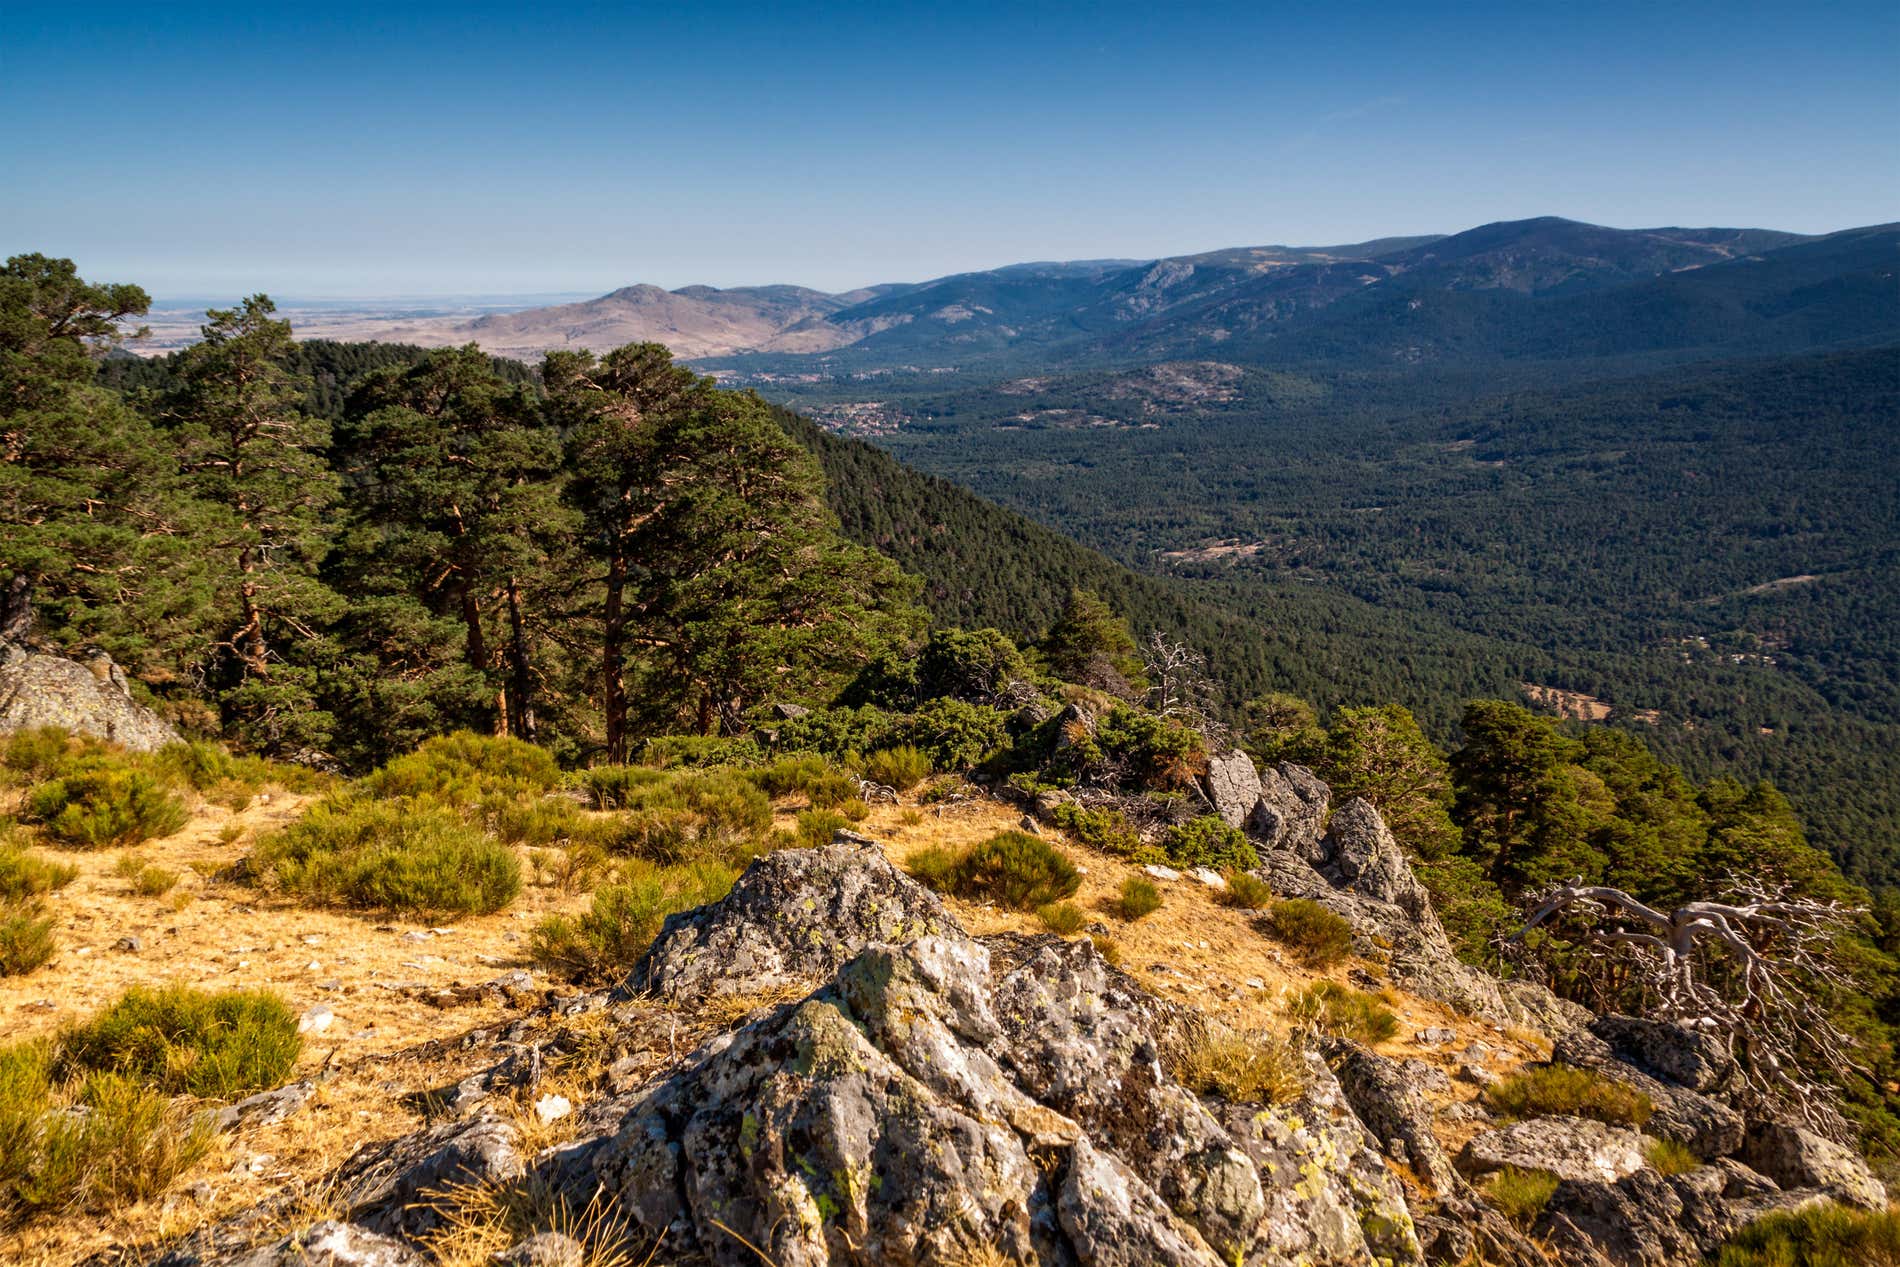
<point x="396" y="149"/>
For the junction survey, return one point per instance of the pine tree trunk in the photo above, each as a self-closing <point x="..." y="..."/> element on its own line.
<point x="612" y="651"/>
<point x="520" y="713"/>
<point x="250" y="644"/>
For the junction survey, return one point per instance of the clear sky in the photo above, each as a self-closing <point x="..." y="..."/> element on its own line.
<point x="402" y="149"/>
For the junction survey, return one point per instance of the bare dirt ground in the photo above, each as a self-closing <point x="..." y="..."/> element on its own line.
<point x="388" y="1042"/>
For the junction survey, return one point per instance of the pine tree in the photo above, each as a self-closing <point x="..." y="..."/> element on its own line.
<point x="1092" y="646"/>
<point x="254" y="463"/>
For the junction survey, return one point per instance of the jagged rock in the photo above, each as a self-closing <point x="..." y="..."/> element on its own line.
<point x="92" y="698"/>
<point x="1233" y="785"/>
<point x="383" y="1184"/>
<point x="1361" y="851"/>
<point x="1534" y="1006"/>
<point x="794" y="918"/>
<point x="1290" y="813"/>
<point x="326" y="1244"/>
<point x="1568" y="1147"/>
<point x="1647" y="1219"/>
<point x="1687" y="1057"/>
<point x="1704" y="1124"/>
<point x="1797" y="1158"/>
<point x="1391" y="1105"/>
<point x="266" y="1107"/>
<point x="544" y="1249"/>
<point x="1112" y="1219"/>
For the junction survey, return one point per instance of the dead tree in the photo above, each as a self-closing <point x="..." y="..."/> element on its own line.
<point x="1180" y="687"/>
<point x="1754" y="971"/>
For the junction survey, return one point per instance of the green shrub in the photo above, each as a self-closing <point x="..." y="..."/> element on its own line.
<point x="701" y="752"/>
<point x="1209" y="842"/>
<point x="1108" y="948"/>
<point x="954" y="735"/>
<point x="1670" y="1157"/>
<point x="146" y="879"/>
<point x="96" y="1142"/>
<point x="614" y="786"/>
<point x="465" y="768"/>
<point x="1104" y="829"/>
<point x="1012" y="869"/>
<point x="1819" y="1236"/>
<point x="836" y="731"/>
<point x="1141" y="750"/>
<point x="1064" y="918"/>
<point x="1243" y="1068"/>
<point x="1248" y="892"/>
<point x="1551" y="1089"/>
<point x="815" y="827"/>
<point x="831" y="790"/>
<point x="33" y="756"/>
<point x="225" y="778"/>
<point x="1344" y="1012"/>
<point x="541" y="821"/>
<point x="27" y="940"/>
<point x="901" y="768"/>
<point x="1520" y="1195"/>
<point x="1139" y="897"/>
<point x="604" y="943"/>
<point x="791" y="775"/>
<point x="1315" y="935"/>
<point x="974" y="665"/>
<point x="25" y="874"/>
<point x="185" y="1041"/>
<point x="406" y="856"/>
<point x="102" y="802"/>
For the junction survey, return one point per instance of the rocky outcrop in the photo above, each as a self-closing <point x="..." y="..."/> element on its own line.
<point x="1706" y="1125"/>
<point x="1290" y="813"/>
<point x="1233" y="787"/>
<point x="1797" y="1158"/>
<point x="1690" y="1058"/>
<point x="383" y="1185"/>
<point x="91" y="698"/>
<point x="1647" y="1219"/>
<point x="794" y="918"/>
<point x="1568" y="1147"/>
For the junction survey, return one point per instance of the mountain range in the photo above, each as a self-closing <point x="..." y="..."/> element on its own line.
<point x="1539" y="288"/>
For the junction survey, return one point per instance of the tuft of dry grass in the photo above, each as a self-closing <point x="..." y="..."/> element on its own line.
<point x="475" y="1222"/>
<point x="1244" y="1068"/>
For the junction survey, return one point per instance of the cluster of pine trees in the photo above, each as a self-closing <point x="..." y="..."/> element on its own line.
<point x="615" y="551"/>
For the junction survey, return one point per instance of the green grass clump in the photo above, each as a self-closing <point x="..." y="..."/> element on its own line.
<point x="25" y="874"/>
<point x="1209" y="842"/>
<point x="1565" y="1089"/>
<point x="1670" y="1157"/>
<point x="1012" y="869"/>
<point x="33" y="756"/>
<point x="88" y="1143"/>
<point x="184" y="1041"/>
<point x="27" y="939"/>
<point x="1139" y="897"/>
<point x="1248" y="892"/>
<point x="670" y="818"/>
<point x="1344" y="1012"/>
<point x="1315" y="935"/>
<point x="901" y="768"/>
<point x="102" y="802"/>
<point x="465" y="769"/>
<point x="1104" y="829"/>
<point x="146" y="879"/>
<point x="700" y="752"/>
<point x="1520" y="1195"/>
<point x="815" y="827"/>
<point x="1820" y="1236"/>
<point x="1244" y="1068"/>
<point x="1064" y="918"/>
<point x="604" y="942"/>
<point x="617" y="786"/>
<point x="413" y="857"/>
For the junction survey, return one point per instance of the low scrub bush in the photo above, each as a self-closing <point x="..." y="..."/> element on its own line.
<point x="837" y="731"/>
<point x="616" y="786"/>
<point x="1012" y="869"/>
<point x="815" y="827"/>
<point x="1104" y="829"/>
<point x="1248" y="892"/>
<point x="1553" y="1089"/>
<point x="25" y="874"/>
<point x="27" y="939"/>
<point x="1108" y="948"/>
<point x="1209" y="842"/>
<point x="700" y="752"/>
<point x="1670" y="1157"/>
<point x="415" y="857"/>
<point x="953" y="734"/>
<point x="1243" y="1068"/>
<point x="538" y="822"/>
<point x="1343" y="1012"/>
<point x="226" y="778"/>
<point x="1520" y="1195"/>
<point x="1139" y="897"/>
<point x="218" y="1046"/>
<point x="901" y="768"/>
<point x="90" y="1143"/>
<point x="604" y="942"/>
<point x="1819" y="1236"/>
<point x="1315" y="935"/>
<point x="465" y="769"/>
<point x="102" y="802"/>
<point x="1064" y="918"/>
<point x="145" y="879"/>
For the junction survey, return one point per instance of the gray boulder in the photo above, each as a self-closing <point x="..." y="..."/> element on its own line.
<point x="794" y="918"/>
<point x="1797" y="1158"/>
<point x="91" y="698"/>
<point x="1706" y="1125"/>
<point x="1691" y="1058"/>
<point x="327" y="1244"/>
<point x="1290" y="813"/>
<point x="384" y="1185"/>
<point x="266" y="1107"/>
<point x="1360" y="851"/>
<point x="1569" y="1147"/>
<point x="1233" y="785"/>
<point x="1647" y="1219"/>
